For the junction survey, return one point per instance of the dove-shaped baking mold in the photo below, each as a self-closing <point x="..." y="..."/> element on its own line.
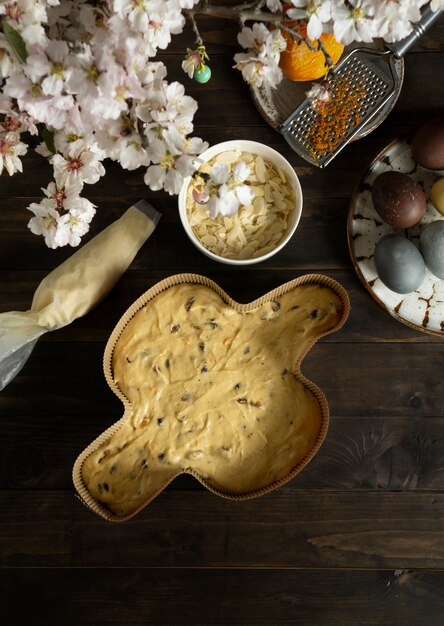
<point x="212" y="388"/>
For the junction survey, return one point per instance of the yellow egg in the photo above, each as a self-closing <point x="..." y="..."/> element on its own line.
<point x="437" y="195"/>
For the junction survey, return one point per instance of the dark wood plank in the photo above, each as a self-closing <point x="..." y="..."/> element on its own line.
<point x="384" y="454"/>
<point x="368" y="380"/>
<point x="286" y="528"/>
<point x="139" y="597"/>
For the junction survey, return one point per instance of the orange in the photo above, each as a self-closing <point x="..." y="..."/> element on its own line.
<point x="298" y="62"/>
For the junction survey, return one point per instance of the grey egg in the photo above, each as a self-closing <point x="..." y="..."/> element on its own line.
<point x="399" y="263"/>
<point x="431" y="243"/>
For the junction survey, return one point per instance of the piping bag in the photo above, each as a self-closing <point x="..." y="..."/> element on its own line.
<point x="74" y="287"/>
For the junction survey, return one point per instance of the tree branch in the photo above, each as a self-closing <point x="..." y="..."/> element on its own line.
<point x="252" y="12"/>
<point x="199" y="39"/>
<point x="328" y="60"/>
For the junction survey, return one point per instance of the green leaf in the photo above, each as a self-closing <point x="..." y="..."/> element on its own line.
<point x="15" y="40"/>
<point x="48" y="138"/>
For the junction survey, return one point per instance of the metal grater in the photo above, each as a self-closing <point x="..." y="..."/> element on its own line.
<point x="366" y="74"/>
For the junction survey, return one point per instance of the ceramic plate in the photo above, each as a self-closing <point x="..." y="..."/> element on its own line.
<point x="422" y="309"/>
<point x="276" y="105"/>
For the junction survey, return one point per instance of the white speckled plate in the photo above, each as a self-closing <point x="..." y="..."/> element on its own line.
<point x="422" y="309"/>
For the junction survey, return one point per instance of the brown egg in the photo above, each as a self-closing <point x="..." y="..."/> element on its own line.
<point x="428" y="145"/>
<point x="398" y="199"/>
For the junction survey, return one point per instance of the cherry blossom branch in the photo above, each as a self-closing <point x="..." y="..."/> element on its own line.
<point x="239" y="13"/>
<point x="328" y="59"/>
<point x="199" y="39"/>
<point x="295" y="34"/>
<point x="252" y="12"/>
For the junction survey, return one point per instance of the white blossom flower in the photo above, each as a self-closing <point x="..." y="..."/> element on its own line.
<point x="167" y="105"/>
<point x="80" y="165"/>
<point x="156" y="19"/>
<point x="319" y="93"/>
<point x="165" y="19"/>
<point x="316" y="12"/>
<point x="224" y="192"/>
<point x="153" y="74"/>
<point x="73" y="138"/>
<point x="173" y="158"/>
<point x="45" y="221"/>
<point x="260" y="63"/>
<point x="241" y="171"/>
<point x="63" y="196"/>
<point x="135" y="11"/>
<point x="219" y="174"/>
<point x="60" y="70"/>
<point x="75" y="223"/>
<point x="62" y="217"/>
<point x="191" y="62"/>
<point x="394" y="19"/>
<point x="27" y="17"/>
<point x="121" y="142"/>
<point x="11" y="148"/>
<point x="51" y="111"/>
<point x="354" y="21"/>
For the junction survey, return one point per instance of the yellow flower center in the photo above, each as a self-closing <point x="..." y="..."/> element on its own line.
<point x="36" y="90"/>
<point x="92" y="73"/>
<point x="57" y="70"/>
<point x="121" y="93"/>
<point x="168" y="161"/>
<point x="71" y="137"/>
<point x="49" y="222"/>
<point x="358" y="14"/>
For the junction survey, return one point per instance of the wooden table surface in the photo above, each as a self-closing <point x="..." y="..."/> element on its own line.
<point x="356" y="538"/>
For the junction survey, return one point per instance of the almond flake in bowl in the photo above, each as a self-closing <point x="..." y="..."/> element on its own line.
<point x="258" y="230"/>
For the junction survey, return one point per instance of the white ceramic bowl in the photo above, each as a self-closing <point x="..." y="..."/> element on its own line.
<point x="267" y="153"/>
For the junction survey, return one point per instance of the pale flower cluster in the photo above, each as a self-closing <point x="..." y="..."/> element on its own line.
<point x="348" y="20"/>
<point x="83" y="73"/>
<point x="260" y="63"/>
<point x="11" y="147"/>
<point x="224" y="192"/>
<point x="360" y="20"/>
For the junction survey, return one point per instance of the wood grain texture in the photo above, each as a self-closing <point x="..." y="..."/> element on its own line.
<point x="159" y="597"/>
<point x="355" y="538"/>
<point x="286" y="528"/>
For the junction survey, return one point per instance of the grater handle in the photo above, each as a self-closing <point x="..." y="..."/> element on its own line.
<point x="427" y="19"/>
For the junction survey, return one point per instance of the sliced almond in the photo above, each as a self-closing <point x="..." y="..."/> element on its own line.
<point x="228" y="157"/>
<point x="260" y="169"/>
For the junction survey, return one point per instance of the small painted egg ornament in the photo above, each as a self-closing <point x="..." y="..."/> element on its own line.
<point x="202" y="74"/>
